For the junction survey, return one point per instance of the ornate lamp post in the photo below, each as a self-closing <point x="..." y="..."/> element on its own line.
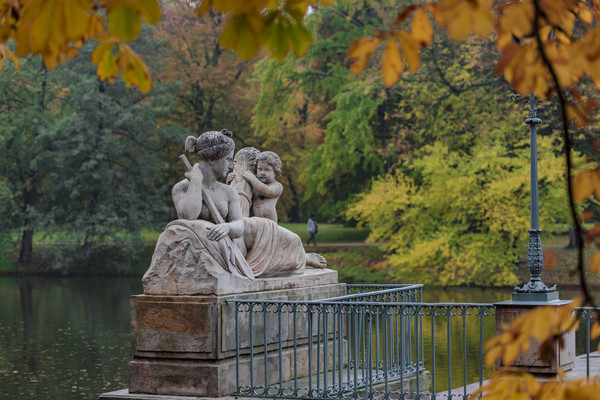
<point x="534" y="290"/>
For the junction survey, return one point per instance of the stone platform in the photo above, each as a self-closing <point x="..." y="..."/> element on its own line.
<point x="532" y="361"/>
<point x="186" y="345"/>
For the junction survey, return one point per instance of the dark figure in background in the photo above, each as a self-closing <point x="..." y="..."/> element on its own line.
<point x="312" y="229"/>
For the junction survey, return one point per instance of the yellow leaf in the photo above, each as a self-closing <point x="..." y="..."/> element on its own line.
<point x="510" y="353"/>
<point x="300" y="39"/>
<point x="204" y="7"/>
<point x="595" y="263"/>
<point x="106" y="61"/>
<point x="133" y="70"/>
<point x="596" y="182"/>
<point x="242" y="33"/>
<point x="421" y="28"/>
<point x="463" y="17"/>
<point x="582" y="186"/>
<point x="410" y="48"/>
<point x="150" y="10"/>
<point x="517" y="19"/>
<point x="360" y="51"/>
<point x="533" y="386"/>
<point x="391" y="63"/>
<point x="5" y="53"/>
<point x="493" y="354"/>
<point x="124" y="22"/>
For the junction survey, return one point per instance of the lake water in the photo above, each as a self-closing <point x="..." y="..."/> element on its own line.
<point x="68" y="338"/>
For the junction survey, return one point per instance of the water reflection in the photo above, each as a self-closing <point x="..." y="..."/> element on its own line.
<point x="64" y="338"/>
<point x="69" y="338"/>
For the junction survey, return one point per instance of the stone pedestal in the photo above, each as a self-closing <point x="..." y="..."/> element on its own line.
<point x="186" y="345"/>
<point x="508" y="311"/>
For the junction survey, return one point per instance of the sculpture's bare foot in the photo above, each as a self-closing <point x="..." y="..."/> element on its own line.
<point x="315" y="260"/>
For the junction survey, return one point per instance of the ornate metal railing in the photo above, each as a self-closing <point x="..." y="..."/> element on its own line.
<point x="587" y="316"/>
<point x="368" y="344"/>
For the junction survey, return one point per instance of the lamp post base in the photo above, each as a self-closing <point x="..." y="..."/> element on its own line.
<point x="543" y="297"/>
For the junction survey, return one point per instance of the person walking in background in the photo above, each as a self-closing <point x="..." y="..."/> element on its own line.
<point x="312" y="229"/>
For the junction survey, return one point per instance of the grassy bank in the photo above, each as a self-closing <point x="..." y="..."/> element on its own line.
<point x="357" y="263"/>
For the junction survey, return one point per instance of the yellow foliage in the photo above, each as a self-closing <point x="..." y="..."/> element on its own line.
<point x="508" y="386"/>
<point x="56" y="29"/>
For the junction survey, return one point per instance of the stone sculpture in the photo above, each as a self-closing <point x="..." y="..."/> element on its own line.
<point x="244" y="161"/>
<point x="212" y="248"/>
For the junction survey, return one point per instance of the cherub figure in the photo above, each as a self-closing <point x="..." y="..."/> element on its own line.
<point x="245" y="160"/>
<point x="266" y="190"/>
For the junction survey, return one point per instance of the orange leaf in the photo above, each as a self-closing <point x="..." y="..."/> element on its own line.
<point x="360" y="51"/>
<point x="595" y="262"/>
<point x="391" y="63"/>
<point x="549" y="259"/>
<point x="410" y="48"/>
<point x="421" y="28"/>
<point x="587" y="215"/>
<point x="517" y="19"/>
<point x="582" y="186"/>
<point x="595" y="178"/>
<point x="463" y="17"/>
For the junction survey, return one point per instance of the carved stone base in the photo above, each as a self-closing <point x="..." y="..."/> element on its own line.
<point x="532" y="362"/>
<point x="186" y="345"/>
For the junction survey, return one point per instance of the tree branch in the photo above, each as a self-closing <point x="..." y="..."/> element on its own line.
<point x="568" y="144"/>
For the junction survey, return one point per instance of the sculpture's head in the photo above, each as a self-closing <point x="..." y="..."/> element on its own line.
<point x="245" y="159"/>
<point x="271" y="159"/>
<point x="210" y="146"/>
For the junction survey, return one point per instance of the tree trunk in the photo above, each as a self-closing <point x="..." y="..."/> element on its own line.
<point x="26" y="255"/>
<point x="573" y="239"/>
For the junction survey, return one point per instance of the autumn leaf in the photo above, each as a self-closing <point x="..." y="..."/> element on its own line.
<point x="5" y="53"/>
<point x="300" y="39"/>
<point x="463" y="17"/>
<point x="133" y="70"/>
<point x="582" y="186"/>
<point x="392" y="64"/>
<point x="403" y="15"/>
<point x="420" y="28"/>
<point x="242" y="34"/>
<point x="106" y="61"/>
<point x="410" y="48"/>
<point x="517" y="18"/>
<point x="124" y="22"/>
<point x="595" y="263"/>
<point x="549" y="259"/>
<point x="361" y="50"/>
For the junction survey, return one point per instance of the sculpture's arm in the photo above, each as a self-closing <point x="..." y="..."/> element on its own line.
<point x="187" y="195"/>
<point x="234" y="227"/>
<point x="273" y="190"/>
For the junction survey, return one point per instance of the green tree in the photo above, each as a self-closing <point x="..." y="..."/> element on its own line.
<point x="105" y="187"/>
<point x="28" y="104"/>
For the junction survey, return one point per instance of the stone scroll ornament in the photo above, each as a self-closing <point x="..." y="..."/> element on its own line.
<point x="240" y="261"/>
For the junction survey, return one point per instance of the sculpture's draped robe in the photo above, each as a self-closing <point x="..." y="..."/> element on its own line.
<point x="185" y="261"/>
